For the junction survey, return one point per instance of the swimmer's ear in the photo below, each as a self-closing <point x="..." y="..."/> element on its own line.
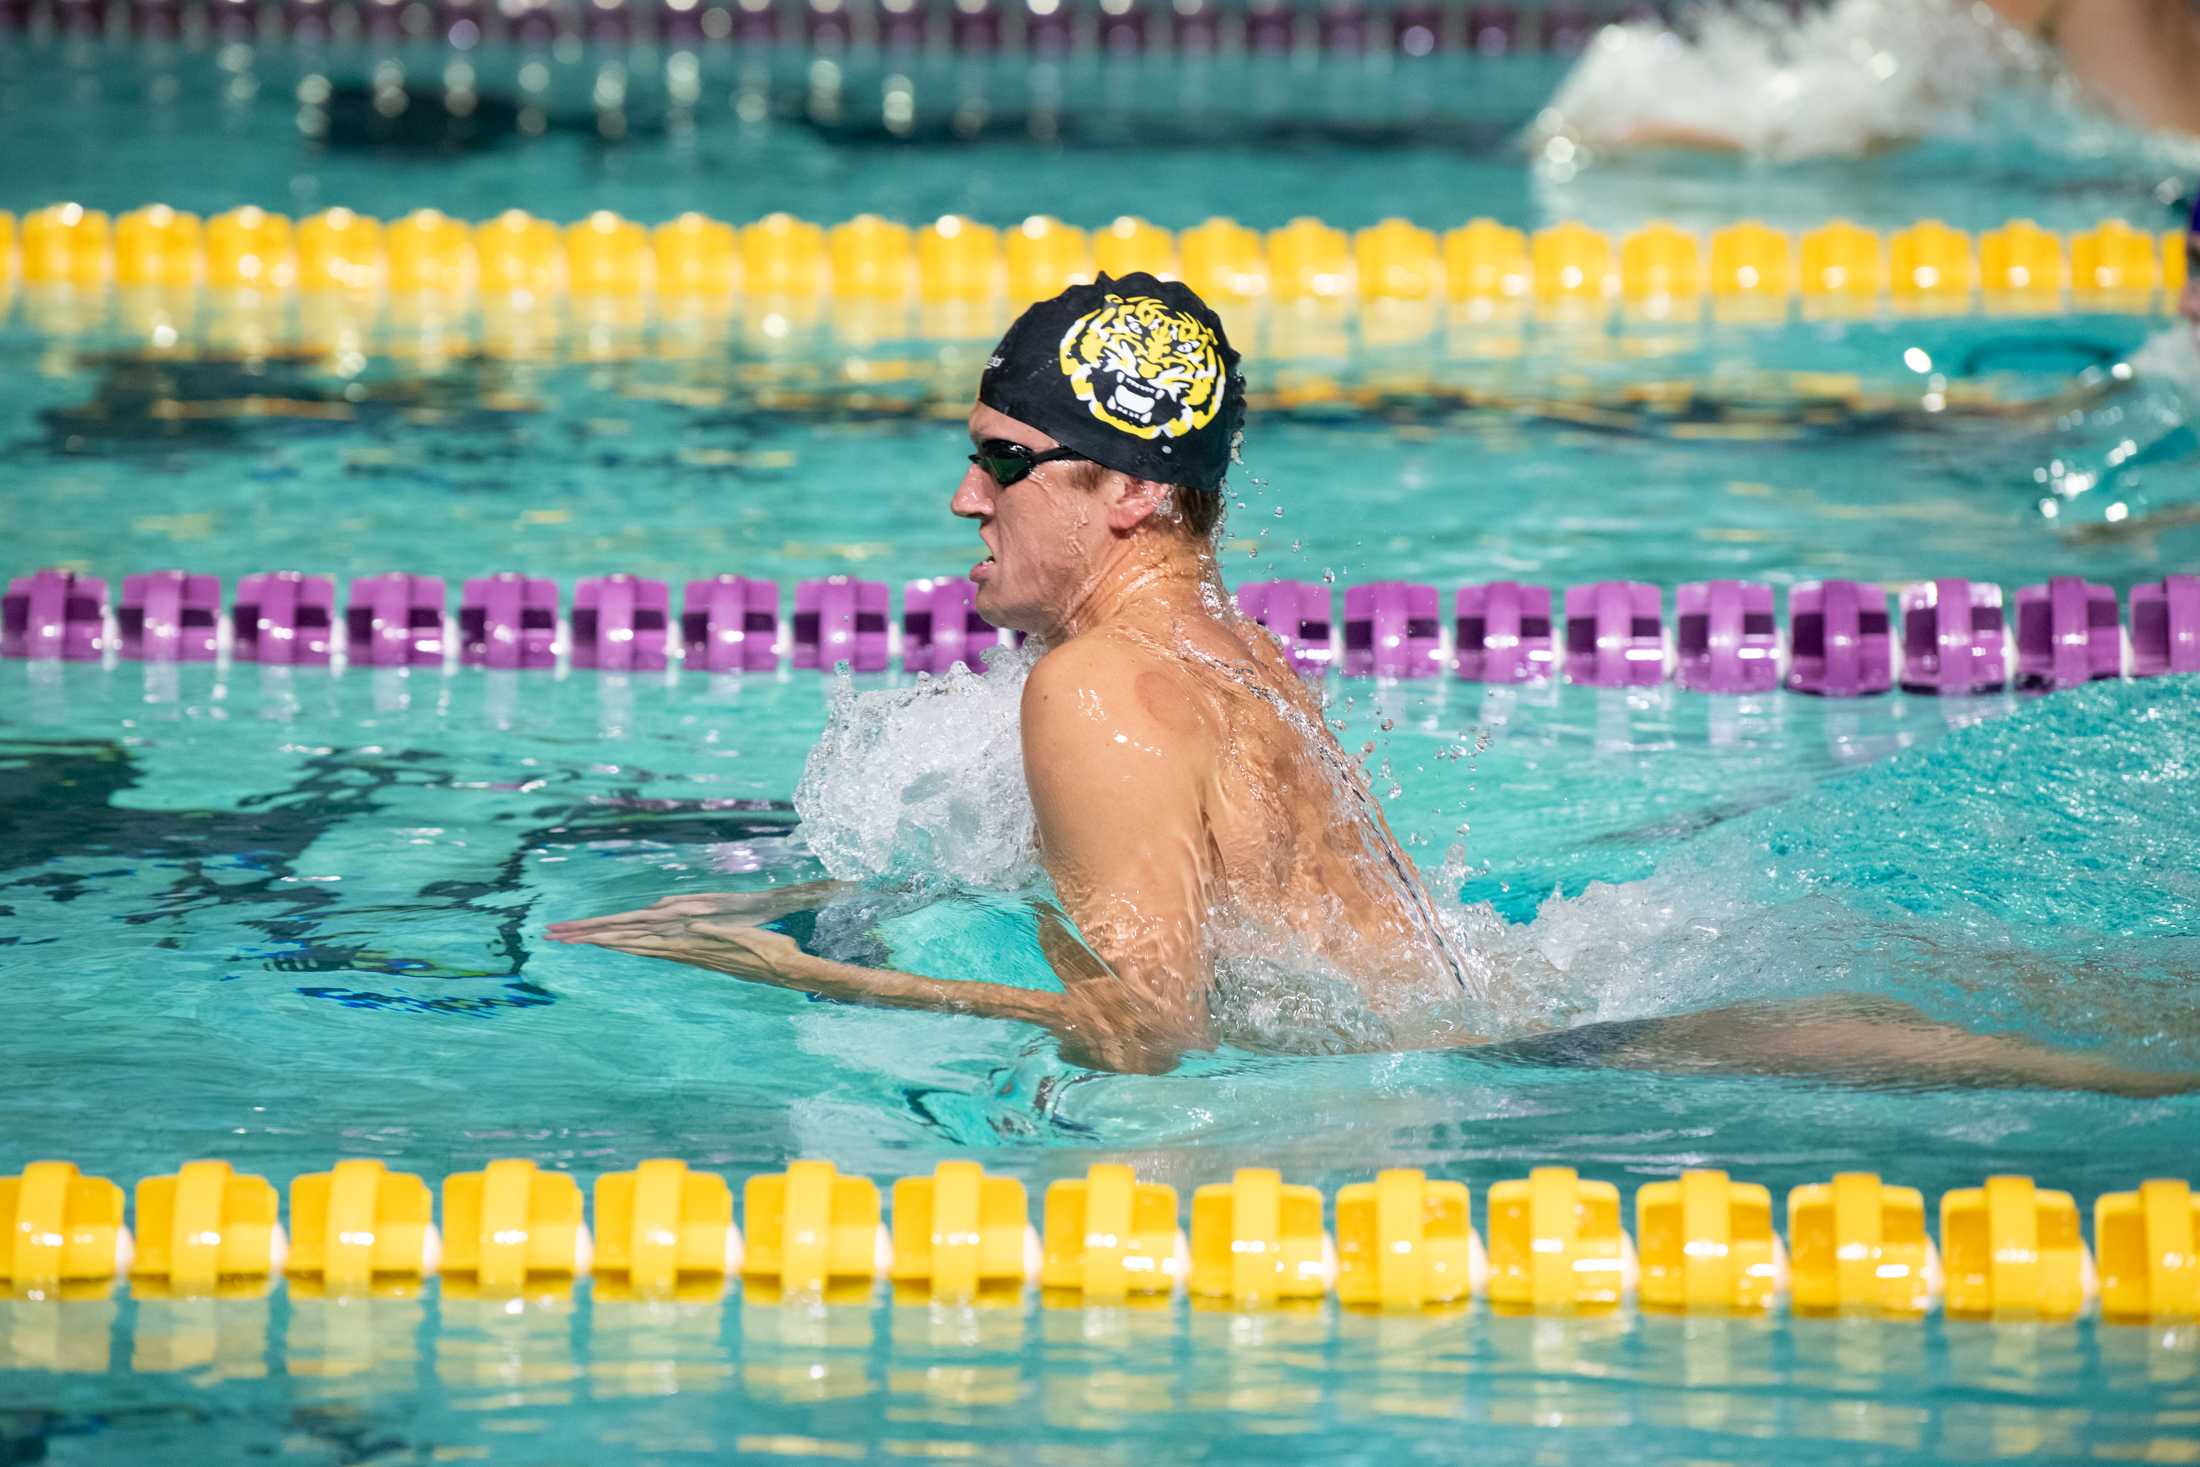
<point x="1131" y="502"/>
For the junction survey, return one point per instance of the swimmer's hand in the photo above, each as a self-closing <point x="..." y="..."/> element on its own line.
<point x="673" y="931"/>
<point x="747" y="908"/>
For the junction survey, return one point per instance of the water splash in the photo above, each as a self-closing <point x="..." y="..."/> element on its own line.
<point x="1964" y="878"/>
<point x="925" y="780"/>
<point x="922" y="789"/>
<point x="1967" y="878"/>
<point x="2126" y="464"/>
<point x="1836" y="82"/>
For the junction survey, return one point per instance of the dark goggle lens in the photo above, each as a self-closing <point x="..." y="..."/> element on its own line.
<point x="1005" y="462"/>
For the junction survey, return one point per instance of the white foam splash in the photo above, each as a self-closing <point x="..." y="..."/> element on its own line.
<point x="923" y="787"/>
<point x="1616" y="951"/>
<point x="1269" y="997"/>
<point x="2172" y="355"/>
<point x="1838" y="81"/>
<point x="925" y="780"/>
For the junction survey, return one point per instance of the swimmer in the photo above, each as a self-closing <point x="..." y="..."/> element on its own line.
<point x="1192" y="805"/>
<point x="1860" y="75"/>
<point x="2140" y="59"/>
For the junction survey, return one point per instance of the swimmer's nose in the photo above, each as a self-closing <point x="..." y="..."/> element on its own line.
<point x="974" y="495"/>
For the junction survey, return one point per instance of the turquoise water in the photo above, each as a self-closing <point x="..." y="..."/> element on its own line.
<point x="1083" y="138"/>
<point x="285" y="917"/>
<point x="1439" y="463"/>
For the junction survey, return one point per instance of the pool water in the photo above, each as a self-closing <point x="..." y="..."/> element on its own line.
<point x="287" y="916"/>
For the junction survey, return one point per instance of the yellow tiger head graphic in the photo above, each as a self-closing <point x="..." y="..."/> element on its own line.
<point x="1144" y="368"/>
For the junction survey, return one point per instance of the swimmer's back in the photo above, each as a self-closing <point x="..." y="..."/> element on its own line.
<point x="1294" y="848"/>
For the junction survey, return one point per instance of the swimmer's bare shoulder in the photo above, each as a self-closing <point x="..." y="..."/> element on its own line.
<point x="1117" y="753"/>
<point x="1117" y="748"/>
<point x="1109" y="715"/>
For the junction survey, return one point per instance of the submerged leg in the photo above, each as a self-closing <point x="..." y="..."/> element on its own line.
<point x="1851" y="1039"/>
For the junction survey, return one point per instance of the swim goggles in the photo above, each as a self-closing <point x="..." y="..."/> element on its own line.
<point x="1009" y="462"/>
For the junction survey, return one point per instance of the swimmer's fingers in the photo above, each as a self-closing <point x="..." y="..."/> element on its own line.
<point x="579" y="927"/>
<point x="596" y="931"/>
<point x="648" y="940"/>
<point x="744" y="952"/>
<point x="631" y="930"/>
<point x="654" y="916"/>
<point x="762" y="905"/>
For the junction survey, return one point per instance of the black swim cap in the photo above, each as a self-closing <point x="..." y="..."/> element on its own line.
<point x="1135" y="374"/>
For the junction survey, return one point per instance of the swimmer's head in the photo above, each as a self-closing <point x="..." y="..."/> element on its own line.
<point x="1105" y="413"/>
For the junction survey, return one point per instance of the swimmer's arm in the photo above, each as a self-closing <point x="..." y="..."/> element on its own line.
<point x="1116" y="757"/>
<point x="779" y="961"/>
<point x="1121" y="829"/>
<point x="2033" y="17"/>
<point x="760" y="955"/>
<point x="1089" y="1025"/>
<point x="2138" y="56"/>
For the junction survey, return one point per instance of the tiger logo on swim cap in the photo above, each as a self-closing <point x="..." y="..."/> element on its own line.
<point x="1144" y="368"/>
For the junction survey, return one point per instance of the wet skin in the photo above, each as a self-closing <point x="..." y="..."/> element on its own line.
<point x="1190" y="799"/>
<point x="2139" y="58"/>
<point x="1181" y="774"/>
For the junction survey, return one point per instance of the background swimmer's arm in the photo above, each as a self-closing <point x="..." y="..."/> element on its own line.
<point x="1117" y="755"/>
<point x="2036" y="18"/>
<point x="2139" y="57"/>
